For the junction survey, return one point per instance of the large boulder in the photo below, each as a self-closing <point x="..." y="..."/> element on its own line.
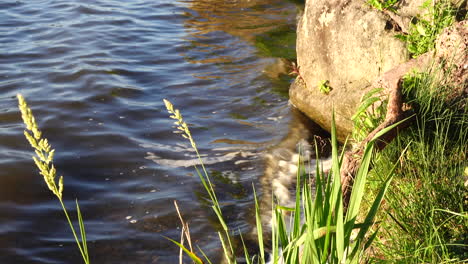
<point x="348" y="44"/>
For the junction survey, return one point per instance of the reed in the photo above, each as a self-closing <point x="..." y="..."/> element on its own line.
<point x="44" y="161"/>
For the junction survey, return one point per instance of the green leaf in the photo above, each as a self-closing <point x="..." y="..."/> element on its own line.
<point x="258" y="221"/>
<point x="387" y="129"/>
<point x="421" y="30"/>
<point x="82" y="229"/>
<point x="192" y="256"/>
<point x="205" y="256"/>
<point x="364" y="105"/>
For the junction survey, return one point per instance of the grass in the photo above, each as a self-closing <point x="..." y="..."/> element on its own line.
<point x="383" y="4"/>
<point x="425" y="216"/>
<point x="425" y="29"/>
<point x="320" y="231"/>
<point x="44" y="162"/>
<point x="369" y="114"/>
<point x="424" y="220"/>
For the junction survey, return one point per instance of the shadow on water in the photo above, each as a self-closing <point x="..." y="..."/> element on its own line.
<point x="95" y="74"/>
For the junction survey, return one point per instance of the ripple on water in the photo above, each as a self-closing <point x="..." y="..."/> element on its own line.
<point x="95" y="74"/>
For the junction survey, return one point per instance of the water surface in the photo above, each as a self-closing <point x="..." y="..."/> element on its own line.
<point x="95" y="73"/>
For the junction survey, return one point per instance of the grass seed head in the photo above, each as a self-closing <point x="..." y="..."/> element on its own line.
<point x="44" y="152"/>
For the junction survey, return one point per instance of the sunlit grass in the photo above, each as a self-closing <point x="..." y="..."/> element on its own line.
<point x="320" y="231"/>
<point x="421" y="37"/>
<point x="425" y="214"/>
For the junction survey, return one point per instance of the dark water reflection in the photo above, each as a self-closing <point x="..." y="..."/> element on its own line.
<point x="95" y="73"/>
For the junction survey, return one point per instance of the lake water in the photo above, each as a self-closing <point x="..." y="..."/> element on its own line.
<point x="95" y="73"/>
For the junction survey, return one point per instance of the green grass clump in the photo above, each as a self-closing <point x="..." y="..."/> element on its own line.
<point x="383" y="4"/>
<point x="320" y="231"/>
<point x="44" y="162"/>
<point x="426" y="209"/>
<point x="370" y="114"/>
<point x="423" y="33"/>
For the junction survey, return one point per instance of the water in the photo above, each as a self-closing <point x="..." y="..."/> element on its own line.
<point x="95" y="74"/>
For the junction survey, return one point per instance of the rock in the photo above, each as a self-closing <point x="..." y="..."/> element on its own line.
<point x="451" y="51"/>
<point x="410" y="8"/>
<point x="349" y="44"/>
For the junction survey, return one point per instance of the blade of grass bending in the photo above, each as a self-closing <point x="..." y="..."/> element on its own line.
<point x="82" y="231"/>
<point x="384" y="131"/>
<point x="192" y="256"/>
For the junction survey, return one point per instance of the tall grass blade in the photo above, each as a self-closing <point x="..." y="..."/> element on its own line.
<point x="204" y="255"/>
<point x="337" y="198"/>
<point x="227" y="254"/>
<point x="297" y="210"/>
<point x="82" y="231"/>
<point x="258" y="222"/>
